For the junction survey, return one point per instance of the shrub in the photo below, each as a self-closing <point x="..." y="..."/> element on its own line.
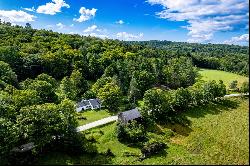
<point x="109" y="153"/>
<point x="152" y="148"/>
<point x="132" y="132"/>
<point x="233" y="85"/>
<point x="245" y="87"/>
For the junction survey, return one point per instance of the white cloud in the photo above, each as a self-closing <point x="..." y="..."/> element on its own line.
<point x="30" y="9"/>
<point x="52" y="7"/>
<point x="49" y="26"/>
<point x="128" y="36"/>
<point x="60" y="25"/>
<point x="15" y="16"/>
<point x="205" y="17"/>
<point x="94" y="31"/>
<point x="96" y="35"/>
<point x="90" y="29"/>
<point x="237" y="39"/>
<point x="86" y="14"/>
<point x="72" y="25"/>
<point x="119" y="22"/>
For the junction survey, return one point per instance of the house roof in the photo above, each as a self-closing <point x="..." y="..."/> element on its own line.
<point x="24" y="148"/>
<point x="83" y="103"/>
<point x="93" y="102"/>
<point x="131" y="114"/>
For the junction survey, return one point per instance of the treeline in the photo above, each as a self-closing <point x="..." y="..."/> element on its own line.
<point x="31" y="52"/>
<point x="232" y="58"/>
<point x="161" y="105"/>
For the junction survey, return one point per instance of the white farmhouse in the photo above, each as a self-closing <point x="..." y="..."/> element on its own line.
<point x="88" y="104"/>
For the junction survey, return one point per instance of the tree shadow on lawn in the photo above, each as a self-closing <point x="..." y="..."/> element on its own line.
<point x="179" y="127"/>
<point x="180" y="124"/>
<point x="212" y="108"/>
<point x="60" y="158"/>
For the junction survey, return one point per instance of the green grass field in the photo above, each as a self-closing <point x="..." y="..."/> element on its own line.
<point x="226" y="77"/>
<point x="93" y="115"/>
<point x="218" y="134"/>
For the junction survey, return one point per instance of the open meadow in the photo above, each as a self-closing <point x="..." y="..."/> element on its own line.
<point x="217" y="134"/>
<point x="226" y="77"/>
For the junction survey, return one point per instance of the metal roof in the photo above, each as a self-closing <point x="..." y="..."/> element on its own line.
<point x="24" y="148"/>
<point x="83" y="103"/>
<point x="131" y="114"/>
<point x="92" y="102"/>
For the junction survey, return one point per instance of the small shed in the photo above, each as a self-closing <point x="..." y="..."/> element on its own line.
<point x="129" y="115"/>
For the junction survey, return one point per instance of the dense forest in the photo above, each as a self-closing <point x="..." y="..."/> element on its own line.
<point x="44" y="73"/>
<point x="232" y="58"/>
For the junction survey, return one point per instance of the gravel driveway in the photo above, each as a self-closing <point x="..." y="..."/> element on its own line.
<point x="97" y="123"/>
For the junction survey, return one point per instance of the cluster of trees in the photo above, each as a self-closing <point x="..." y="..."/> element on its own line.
<point x="232" y="58"/>
<point x="160" y="105"/>
<point x="40" y="111"/>
<point x="41" y="124"/>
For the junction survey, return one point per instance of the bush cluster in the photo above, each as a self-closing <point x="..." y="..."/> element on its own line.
<point x="152" y="148"/>
<point x="131" y="133"/>
<point x="244" y="87"/>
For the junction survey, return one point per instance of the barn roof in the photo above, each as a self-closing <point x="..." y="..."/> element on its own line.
<point x="131" y="114"/>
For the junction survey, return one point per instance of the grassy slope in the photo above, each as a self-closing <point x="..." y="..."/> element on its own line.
<point x="218" y="135"/>
<point x="226" y="77"/>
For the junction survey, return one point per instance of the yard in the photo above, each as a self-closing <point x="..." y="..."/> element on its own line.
<point x="92" y="115"/>
<point x="218" y="134"/>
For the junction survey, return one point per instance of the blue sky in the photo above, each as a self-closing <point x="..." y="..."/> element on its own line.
<point x="203" y="21"/>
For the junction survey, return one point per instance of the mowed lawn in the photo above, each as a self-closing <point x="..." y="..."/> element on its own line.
<point x="218" y="134"/>
<point x="92" y="115"/>
<point x="226" y="77"/>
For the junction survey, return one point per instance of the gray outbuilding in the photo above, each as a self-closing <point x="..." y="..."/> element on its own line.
<point x="129" y="115"/>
